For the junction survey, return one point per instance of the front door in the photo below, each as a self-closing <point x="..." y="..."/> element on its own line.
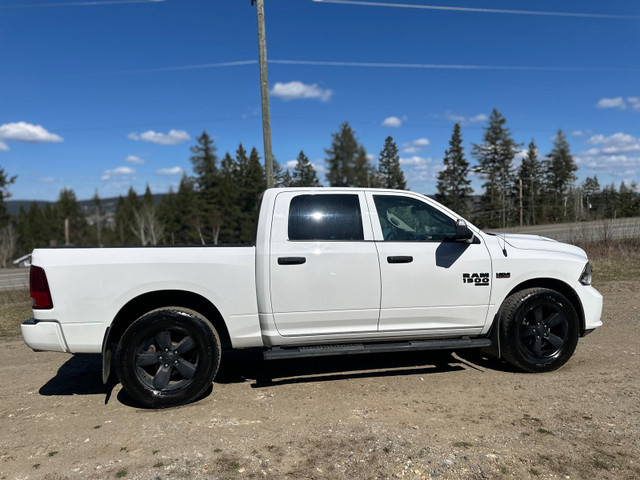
<point x="425" y="273"/>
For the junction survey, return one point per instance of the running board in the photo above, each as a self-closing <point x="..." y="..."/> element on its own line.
<point x="276" y="353"/>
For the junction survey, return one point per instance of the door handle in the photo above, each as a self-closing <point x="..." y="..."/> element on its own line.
<point x="400" y="259"/>
<point x="291" y="260"/>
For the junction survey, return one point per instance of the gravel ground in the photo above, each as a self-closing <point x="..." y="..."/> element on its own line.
<point x="408" y="416"/>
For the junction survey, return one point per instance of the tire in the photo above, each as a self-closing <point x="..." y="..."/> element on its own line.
<point x="168" y="357"/>
<point x="539" y="330"/>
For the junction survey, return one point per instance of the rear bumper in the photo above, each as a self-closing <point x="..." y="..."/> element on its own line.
<point x="43" y="335"/>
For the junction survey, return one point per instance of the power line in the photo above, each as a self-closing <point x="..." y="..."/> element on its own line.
<point x="435" y="66"/>
<point x="80" y="4"/>
<point x="167" y="69"/>
<point x="484" y="10"/>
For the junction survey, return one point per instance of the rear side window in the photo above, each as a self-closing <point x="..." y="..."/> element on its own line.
<point x="325" y="217"/>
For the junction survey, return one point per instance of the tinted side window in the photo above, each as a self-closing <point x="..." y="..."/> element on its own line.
<point x="325" y="217"/>
<point x="406" y="219"/>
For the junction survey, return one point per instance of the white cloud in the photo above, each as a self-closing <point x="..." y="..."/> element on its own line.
<point x="46" y="179"/>
<point x="3" y="147"/>
<point x="617" y="155"/>
<point x="117" y="172"/>
<point x="394" y="122"/>
<point x="300" y="91"/>
<point x="170" y="171"/>
<point x="415" y="146"/>
<point x="135" y="160"/>
<point x="317" y="166"/>
<point x="371" y="157"/>
<point x="26" y="132"/>
<point x="414" y="161"/>
<point x="634" y="103"/>
<point x="174" y="137"/>
<point x="617" y="102"/>
<point x="620" y="103"/>
<point x="464" y="120"/>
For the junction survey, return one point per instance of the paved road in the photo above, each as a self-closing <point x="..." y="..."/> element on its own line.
<point x="14" y="278"/>
<point x="581" y="231"/>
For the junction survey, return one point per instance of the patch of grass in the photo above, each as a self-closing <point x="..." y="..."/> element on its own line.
<point x="36" y="466"/>
<point x="535" y="472"/>
<point x="121" y="473"/>
<point x="97" y="427"/>
<point x="125" y="449"/>
<point x="218" y="450"/>
<point x="386" y="449"/>
<point x="544" y="431"/>
<point x="159" y="465"/>
<point x="15" y="308"/>
<point x="53" y="453"/>
<point x="155" y="452"/>
<point x="463" y="444"/>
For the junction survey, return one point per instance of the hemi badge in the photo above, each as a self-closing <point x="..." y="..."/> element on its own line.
<point x="503" y="275"/>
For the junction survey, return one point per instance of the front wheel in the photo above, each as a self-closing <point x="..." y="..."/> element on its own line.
<point x="168" y="357"/>
<point x="539" y="329"/>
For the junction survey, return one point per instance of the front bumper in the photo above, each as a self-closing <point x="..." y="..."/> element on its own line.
<point x="43" y="335"/>
<point x="591" y="301"/>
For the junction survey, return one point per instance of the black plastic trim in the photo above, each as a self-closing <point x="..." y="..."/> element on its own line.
<point x="359" y="348"/>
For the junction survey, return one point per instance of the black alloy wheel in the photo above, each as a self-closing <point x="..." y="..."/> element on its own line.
<point x="168" y="357"/>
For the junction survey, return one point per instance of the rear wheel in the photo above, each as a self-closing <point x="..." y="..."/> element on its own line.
<point x="168" y="357"/>
<point x="539" y="329"/>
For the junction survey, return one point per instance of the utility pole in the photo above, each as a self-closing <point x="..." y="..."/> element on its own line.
<point x="264" y="92"/>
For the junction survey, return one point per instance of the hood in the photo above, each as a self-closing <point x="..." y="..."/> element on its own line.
<point x="537" y="242"/>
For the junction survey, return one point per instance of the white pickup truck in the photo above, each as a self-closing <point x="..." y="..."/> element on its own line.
<point x="333" y="271"/>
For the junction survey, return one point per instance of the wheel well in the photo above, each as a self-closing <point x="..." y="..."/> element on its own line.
<point x="558" y="286"/>
<point x="138" y="306"/>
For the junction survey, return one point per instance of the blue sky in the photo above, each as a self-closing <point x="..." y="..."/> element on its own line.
<point x="107" y="94"/>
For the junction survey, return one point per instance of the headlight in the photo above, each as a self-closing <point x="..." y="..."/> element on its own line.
<point x="585" y="277"/>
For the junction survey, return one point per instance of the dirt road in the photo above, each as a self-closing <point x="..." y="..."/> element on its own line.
<point x="387" y="416"/>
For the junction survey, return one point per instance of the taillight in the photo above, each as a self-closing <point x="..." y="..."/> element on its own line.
<point x="39" y="289"/>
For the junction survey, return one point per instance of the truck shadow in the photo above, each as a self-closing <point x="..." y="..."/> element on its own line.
<point x="250" y="366"/>
<point x="81" y="374"/>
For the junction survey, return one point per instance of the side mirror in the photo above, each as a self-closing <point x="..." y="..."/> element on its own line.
<point x="463" y="233"/>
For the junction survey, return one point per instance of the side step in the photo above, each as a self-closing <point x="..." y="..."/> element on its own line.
<point x="276" y="353"/>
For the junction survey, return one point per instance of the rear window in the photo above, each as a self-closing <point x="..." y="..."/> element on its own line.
<point x="325" y="217"/>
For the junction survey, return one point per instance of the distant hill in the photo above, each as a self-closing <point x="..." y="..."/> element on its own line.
<point x="108" y="204"/>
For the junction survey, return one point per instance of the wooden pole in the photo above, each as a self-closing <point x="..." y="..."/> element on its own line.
<point x="264" y="92"/>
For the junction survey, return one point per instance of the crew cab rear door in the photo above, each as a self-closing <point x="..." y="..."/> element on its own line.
<point x="429" y="281"/>
<point x="324" y="272"/>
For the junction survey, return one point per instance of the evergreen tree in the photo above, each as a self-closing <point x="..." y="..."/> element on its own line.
<point x="180" y="216"/>
<point x="124" y="218"/>
<point x="251" y="186"/>
<point x="389" y="174"/>
<point x="304" y="175"/>
<point x="560" y="178"/>
<point x="531" y="175"/>
<point x="454" y="186"/>
<point x="96" y="219"/>
<point x="347" y="160"/>
<point x="281" y="176"/>
<point x="207" y="184"/>
<point x="5" y="181"/>
<point x="495" y="164"/>
<point x="591" y="188"/>
<point x="67" y="211"/>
